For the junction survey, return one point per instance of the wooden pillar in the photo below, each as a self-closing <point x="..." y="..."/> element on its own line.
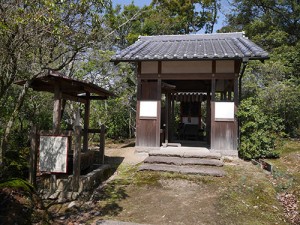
<point x="158" y="113"/>
<point x="158" y="106"/>
<point x="213" y="89"/>
<point x="208" y="118"/>
<point x="76" y="159"/>
<point x="34" y="137"/>
<point x="236" y="103"/>
<point x="200" y="113"/>
<point x="86" y="123"/>
<point x="57" y="110"/>
<point x="172" y="116"/>
<point x="167" y="117"/>
<point x="102" y="144"/>
<point x="139" y="95"/>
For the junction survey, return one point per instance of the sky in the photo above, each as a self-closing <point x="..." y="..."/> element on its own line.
<point x="141" y="3"/>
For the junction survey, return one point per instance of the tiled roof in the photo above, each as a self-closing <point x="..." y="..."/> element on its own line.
<point x="191" y="47"/>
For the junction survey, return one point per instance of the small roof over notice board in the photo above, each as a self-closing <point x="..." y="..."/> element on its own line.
<point x="72" y="89"/>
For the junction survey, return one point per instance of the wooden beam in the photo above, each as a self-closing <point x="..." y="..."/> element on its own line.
<point x="96" y="97"/>
<point x="76" y="159"/>
<point x="188" y="76"/>
<point x="102" y="144"/>
<point x="94" y="131"/>
<point x="57" y="110"/>
<point x="73" y="98"/>
<point x="86" y="124"/>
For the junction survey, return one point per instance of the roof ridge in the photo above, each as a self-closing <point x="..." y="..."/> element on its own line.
<point x="190" y="37"/>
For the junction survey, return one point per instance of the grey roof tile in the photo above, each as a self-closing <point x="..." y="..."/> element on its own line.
<point x="191" y="47"/>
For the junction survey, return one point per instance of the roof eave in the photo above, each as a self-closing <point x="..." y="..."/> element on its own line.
<point x="188" y="59"/>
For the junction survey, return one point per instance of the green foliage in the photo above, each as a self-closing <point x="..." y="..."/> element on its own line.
<point x="16" y="164"/>
<point x="258" y="131"/>
<point x="275" y="84"/>
<point x="184" y="17"/>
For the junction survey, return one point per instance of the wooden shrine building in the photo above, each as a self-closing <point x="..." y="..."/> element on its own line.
<point x="188" y="88"/>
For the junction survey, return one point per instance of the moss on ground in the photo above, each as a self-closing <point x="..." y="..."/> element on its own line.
<point x="17" y="183"/>
<point x="20" y="204"/>
<point x="249" y="198"/>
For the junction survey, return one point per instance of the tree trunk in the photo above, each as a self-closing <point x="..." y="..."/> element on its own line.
<point x="12" y="118"/>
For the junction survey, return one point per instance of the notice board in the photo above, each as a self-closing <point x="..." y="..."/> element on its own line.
<point x="148" y="109"/>
<point x="224" y="111"/>
<point x="53" y="154"/>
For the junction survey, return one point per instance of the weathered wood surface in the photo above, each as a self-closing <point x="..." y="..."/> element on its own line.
<point x="223" y="133"/>
<point x="86" y="124"/>
<point x="102" y="144"/>
<point x="76" y="159"/>
<point x="146" y="128"/>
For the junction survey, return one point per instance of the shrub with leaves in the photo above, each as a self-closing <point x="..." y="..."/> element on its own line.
<point x="259" y="131"/>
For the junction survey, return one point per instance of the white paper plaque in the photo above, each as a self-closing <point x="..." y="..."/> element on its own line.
<point x="148" y="109"/>
<point x="224" y="111"/>
<point x="53" y="154"/>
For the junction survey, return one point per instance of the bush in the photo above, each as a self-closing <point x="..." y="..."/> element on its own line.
<point x="258" y="131"/>
<point x="16" y="165"/>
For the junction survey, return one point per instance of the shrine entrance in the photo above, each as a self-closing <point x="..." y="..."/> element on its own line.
<point x="188" y="112"/>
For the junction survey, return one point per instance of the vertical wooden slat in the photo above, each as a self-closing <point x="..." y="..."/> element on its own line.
<point x="86" y="123"/>
<point x="34" y="137"/>
<point x="102" y="144"/>
<point x="76" y="159"/>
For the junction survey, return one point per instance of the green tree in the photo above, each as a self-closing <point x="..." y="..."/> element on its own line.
<point x="41" y="35"/>
<point x="116" y="113"/>
<point x="274" y="84"/>
<point x="258" y="132"/>
<point x="184" y="17"/>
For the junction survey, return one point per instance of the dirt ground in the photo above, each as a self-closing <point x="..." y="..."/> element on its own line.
<point x="246" y="195"/>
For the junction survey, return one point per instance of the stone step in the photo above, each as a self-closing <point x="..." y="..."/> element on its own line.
<point x="186" y="154"/>
<point x="200" y="170"/>
<point x="183" y="161"/>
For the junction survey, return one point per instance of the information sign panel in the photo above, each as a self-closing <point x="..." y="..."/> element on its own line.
<point x="53" y="154"/>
